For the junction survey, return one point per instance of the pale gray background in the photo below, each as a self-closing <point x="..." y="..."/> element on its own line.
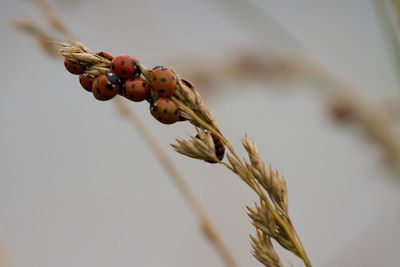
<point x="78" y="187"/>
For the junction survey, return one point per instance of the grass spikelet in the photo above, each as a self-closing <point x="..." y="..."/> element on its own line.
<point x="269" y="187"/>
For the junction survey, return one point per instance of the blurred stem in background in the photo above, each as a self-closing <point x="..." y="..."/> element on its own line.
<point x="371" y="118"/>
<point x="45" y="42"/>
<point x="263" y="29"/>
<point x="5" y="259"/>
<point x="384" y="12"/>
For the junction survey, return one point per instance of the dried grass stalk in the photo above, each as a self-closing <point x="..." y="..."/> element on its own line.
<point x="270" y="217"/>
<point x="42" y="38"/>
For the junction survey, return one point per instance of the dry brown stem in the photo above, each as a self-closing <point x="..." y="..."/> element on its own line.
<point x="270" y="188"/>
<point x="5" y="259"/>
<point x="54" y="19"/>
<point x="42" y="38"/>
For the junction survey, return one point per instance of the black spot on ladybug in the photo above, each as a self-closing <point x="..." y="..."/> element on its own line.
<point x="133" y="63"/>
<point x="124" y="72"/>
<point x="155" y="78"/>
<point x="122" y="62"/>
<point x="143" y="85"/>
<point x="163" y="80"/>
<point x="155" y="108"/>
<point x="130" y="95"/>
<point x="159" y="118"/>
<point x="74" y="67"/>
<point x="109" y="86"/>
<point x="98" y="81"/>
<point x="165" y="110"/>
<point x="98" y="90"/>
<point x="157" y="67"/>
<point x="90" y="82"/>
<point x="163" y="68"/>
<point x="113" y="66"/>
<point x="162" y="91"/>
<point x="176" y="112"/>
<point x="133" y="86"/>
<point x="173" y="77"/>
<point x="167" y="101"/>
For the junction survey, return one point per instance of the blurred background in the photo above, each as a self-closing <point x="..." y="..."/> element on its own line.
<point x="79" y="186"/>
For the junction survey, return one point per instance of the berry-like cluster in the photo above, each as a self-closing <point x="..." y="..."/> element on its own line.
<point x="126" y="79"/>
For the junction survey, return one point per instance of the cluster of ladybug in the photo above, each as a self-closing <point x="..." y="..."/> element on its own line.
<point x="124" y="79"/>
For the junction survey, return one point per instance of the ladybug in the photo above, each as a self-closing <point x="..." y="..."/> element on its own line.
<point x="188" y="84"/>
<point x="219" y="148"/>
<point x="136" y="89"/>
<point x="74" y="67"/>
<point x="125" y="66"/>
<point x="86" y="81"/>
<point x="105" y="55"/>
<point x="103" y="89"/>
<point x="164" y="110"/>
<point x="163" y="81"/>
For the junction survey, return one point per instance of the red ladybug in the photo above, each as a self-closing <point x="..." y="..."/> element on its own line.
<point x="86" y="82"/>
<point x="188" y="84"/>
<point x="103" y="89"/>
<point x="219" y="148"/>
<point x="163" y="81"/>
<point x="125" y="66"/>
<point x="105" y="55"/>
<point x="136" y="89"/>
<point x="74" y="67"/>
<point x="164" y="110"/>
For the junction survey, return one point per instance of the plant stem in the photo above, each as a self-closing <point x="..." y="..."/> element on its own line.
<point x="294" y="239"/>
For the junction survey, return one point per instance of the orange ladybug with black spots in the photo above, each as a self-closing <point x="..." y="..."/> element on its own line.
<point x="125" y="66"/>
<point x="164" y="110"/>
<point x="105" y="55"/>
<point x="103" y="89"/>
<point x="74" y="67"/>
<point x="163" y="81"/>
<point x="86" y="81"/>
<point x="136" y="89"/>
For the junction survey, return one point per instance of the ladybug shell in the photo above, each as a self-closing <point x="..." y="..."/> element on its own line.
<point x="102" y="88"/>
<point x="163" y="81"/>
<point x="125" y="66"/>
<point x="188" y="84"/>
<point x="164" y="110"/>
<point x="86" y="82"/>
<point x="74" y="67"/>
<point x="219" y="148"/>
<point x="136" y="89"/>
<point x="105" y="55"/>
